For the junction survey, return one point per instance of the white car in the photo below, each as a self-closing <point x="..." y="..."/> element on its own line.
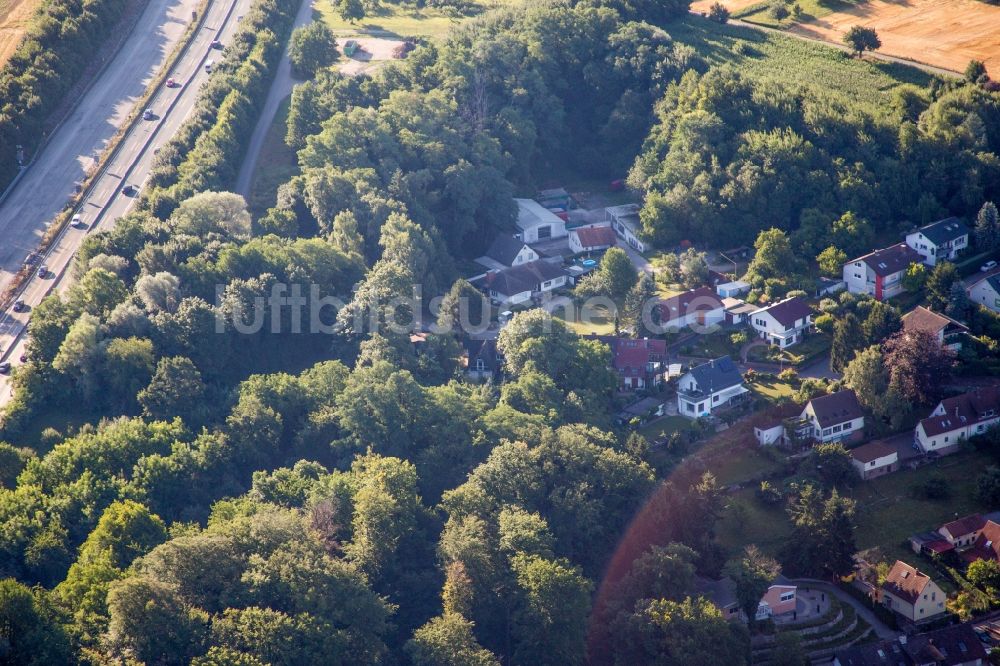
<point x="988" y="266"/>
<point x="77" y="221"/>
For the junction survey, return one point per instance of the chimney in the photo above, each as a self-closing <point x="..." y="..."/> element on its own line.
<point x="902" y="639"/>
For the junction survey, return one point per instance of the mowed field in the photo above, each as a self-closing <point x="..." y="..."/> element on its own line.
<point x="943" y="33"/>
<point x="14" y="17"/>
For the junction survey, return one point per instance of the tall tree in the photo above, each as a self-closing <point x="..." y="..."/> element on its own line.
<point x="639" y="313"/>
<point x="848" y="337"/>
<point x="939" y="285"/>
<point x="831" y="261"/>
<point x="862" y="39"/>
<point x="752" y="572"/>
<point x="882" y="321"/>
<point x="918" y="364"/>
<point x="988" y="228"/>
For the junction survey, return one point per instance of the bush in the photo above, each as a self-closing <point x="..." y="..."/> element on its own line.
<point x="934" y="487"/>
<point x="718" y="13"/>
<point x="779" y="11"/>
<point x="311" y="48"/>
<point x="789" y="376"/>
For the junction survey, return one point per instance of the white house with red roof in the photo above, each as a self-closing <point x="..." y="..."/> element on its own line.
<point x="783" y="323"/>
<point x="911" y="593"/>
<point x="958" y="418"/>
<point x="700" y="306"/>
<point x="591" y="239"/>
<point x="880" y="273"/>
<point x="875" y="459"/>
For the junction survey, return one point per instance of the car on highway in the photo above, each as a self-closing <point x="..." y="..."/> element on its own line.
<point x="216" y="44"/>
<point x="77" y="221"/>
<point x="43" y="271"/>
<point x="19" y="306"/>
<point x="5" y="368"/>
<point x="209" y="64"/>
<point x="988" y="266"/>
<point x="129" y="190"/>
<point x="171" y="83"/>
<point x="148" y="114"/>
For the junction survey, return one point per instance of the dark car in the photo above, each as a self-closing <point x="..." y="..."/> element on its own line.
<point x="129" y="190"/>
<point x="216" y="44"/>
<point x="148" y="114"/>
<point x="4" y="368"/>
<point x="19" y="306"/>
<point x="171" y="83"/>
<point x="24" y="358"/>
<point x="43" y="271"/>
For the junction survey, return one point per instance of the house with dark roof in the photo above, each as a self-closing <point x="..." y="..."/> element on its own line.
<point x="639" y="362"/>
<point x="591" y="239"/>
<point x="625" y="221"/>
<point x="507" y="251"/>
<point x="708" y="387"/>
<point x="880" y="273"/>
<point x="948" y="332"/>
<point x="779" y="599"/>
<point x="911" y="593"/>
<point x="783" y="323"/>
<point x="697" y="307"/>
<point x="519" y="284"/>
<point x="875" y="459"/>
<point x="939" y="241"/>
<point x="482" y="360"/>
<point x="984" y="289"/>
<point x="836" y="417"/>
<point x="958" y="418"/>
<point x="986" y="546"/>
<point x="956" y="645"/>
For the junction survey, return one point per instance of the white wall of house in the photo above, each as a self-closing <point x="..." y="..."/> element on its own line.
<point x="984" y="294"/>
<point x="694" y="408"/>
<point x="865" y="469"/>
<point x="524" y="256"/>
<point x="835" y="432"/>
<point x="929" y="604"/>
<point x="537" y="222"/>
<point x="769" y="436"/>
<point x="946" y="442"/>
<point x="774" y="332"/>
<point x="701" y="317"/>
<point x="932" y="253"/>
<point x="510" y="299"/>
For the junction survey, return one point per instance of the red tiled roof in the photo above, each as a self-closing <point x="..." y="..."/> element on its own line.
<point x="873" y="451"/>
<point x="922" y="319"/>
<point x="696" y="300"/>
<point x="596" y="236"/>
<point x="963" y="526"/>
<point x="964" y="410"/>
<point x="788" y="311"/>
<point x="890" y="260"/>
<point x="939" y="546"/>
<point x="987" y="546"/>
<point x="905" y="581"/>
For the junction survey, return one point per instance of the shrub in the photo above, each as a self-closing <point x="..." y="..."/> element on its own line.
<point x="718" y="13"/>
<point x="779" y="11"/>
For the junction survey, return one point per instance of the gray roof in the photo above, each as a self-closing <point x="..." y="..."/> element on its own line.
<point x="945" y="230"/>
<point x="504" y="249"/>
<point x="525" y="277"/>
<point x="720" y="592"/>
<point x="717" y="375"/>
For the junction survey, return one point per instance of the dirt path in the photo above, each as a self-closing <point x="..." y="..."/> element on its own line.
<point x="14" y="17"/>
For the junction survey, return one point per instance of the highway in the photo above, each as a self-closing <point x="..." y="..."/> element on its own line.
<point x="131" y="164"/>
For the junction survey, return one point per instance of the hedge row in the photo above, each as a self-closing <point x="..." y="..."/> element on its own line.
<point x="47" y="64"/>
<point x="207" y="150"/>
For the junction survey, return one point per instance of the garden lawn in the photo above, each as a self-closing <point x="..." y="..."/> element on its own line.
<point x="589" y="319"/>
<point x="773" y="389"/>
<point x="664" y="426"/>
<point x="766" y="527"/>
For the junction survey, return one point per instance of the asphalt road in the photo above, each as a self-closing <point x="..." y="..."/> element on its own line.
<point x="131" y="165"/>
<point x="281" y="88"/>
<point x="49" y="182"/>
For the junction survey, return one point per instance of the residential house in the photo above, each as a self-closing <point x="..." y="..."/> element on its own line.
<point x="770" y="433"/>
<point x="963" y="532"/>
<point x="708" y="387"/>
<point x="519" y="284"/>
<point x="732" y="289"/>
<point x="958" y="418"/>
<point x="783" y="323"/>
<point x="984" y="289"/>
<point x="778" y="600"/>
<point x="625" y="221"/>
<point x="956" y="645"/>
<point x="880" y="273"/>
<point x="947" y="331"/>
<point x="987" y="544"/>
<point x="911" y="593"/>
<point x="699" y="306"/>
<point x="737" y="311"/>
<point x="836" y="417"/>
<point x="639" y="362"/>
<point x="537" y="222"/>
<point x="482" y="360"/>
<point x="875" y="459"/>
<point x="591" y="239"/>
<point x="939" y="241"/>
<point x="506" y="252"/>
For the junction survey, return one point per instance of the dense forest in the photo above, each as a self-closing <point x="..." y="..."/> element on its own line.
<point x="248" y="490"/>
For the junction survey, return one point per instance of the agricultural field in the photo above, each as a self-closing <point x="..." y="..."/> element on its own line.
<point x="398" y="21"/>
<point x="942" y="33"/>
<point x="14" y="18"/>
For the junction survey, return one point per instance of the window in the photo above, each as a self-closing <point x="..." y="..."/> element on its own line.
<point x="837" y="428"/>
<point x="715" y="398"/>
<point x="871" y="464"/>
<point x="689" y="406"/>
<point x="545" y="232"/>
<point x="546" y="283"/>
<point x="787" y="596"/>
<point x="826" y="431"/>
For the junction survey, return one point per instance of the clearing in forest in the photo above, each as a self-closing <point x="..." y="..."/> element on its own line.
<point x="14" y="18"/>
<point x="942" y="33"/>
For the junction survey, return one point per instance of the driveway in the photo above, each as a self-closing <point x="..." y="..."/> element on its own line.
<point x="881" y="628"/>
<point x="820" y="368"/>
<point x="640" y="262"/>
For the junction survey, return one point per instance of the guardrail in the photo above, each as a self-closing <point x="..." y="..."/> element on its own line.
<point x="57" y="227"/>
